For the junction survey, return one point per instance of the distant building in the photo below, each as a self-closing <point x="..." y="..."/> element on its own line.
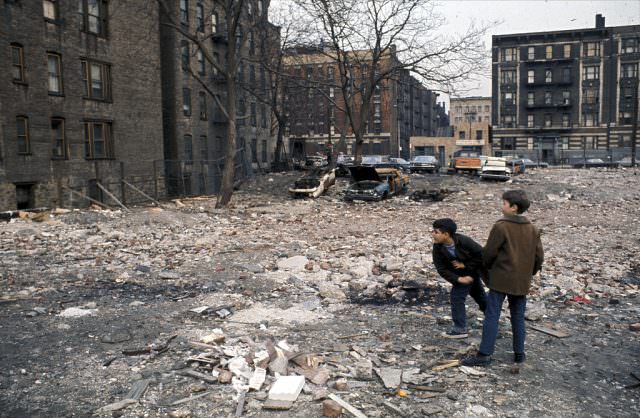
<point x="401" y="107"/>
<point x="471" y="120"/>
<point x="559" y="95"/>
<point x="441" y="147"/>
<point x="79" y="108"/>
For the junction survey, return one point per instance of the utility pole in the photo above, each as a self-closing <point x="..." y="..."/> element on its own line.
<point x="634" y="132"/>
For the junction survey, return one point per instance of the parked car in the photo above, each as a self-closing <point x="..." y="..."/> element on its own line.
<point x="371" y="183"/>
<point x="376" y="161"/>
<point x="314" y="183"/>
<point x="401" y="164"/>
<point x="497" y="168"/>
<point x="314" y="161"/>
<point x="529" y="163"/>
<point x="422" y="163"/>
<point x="593" y="162"/>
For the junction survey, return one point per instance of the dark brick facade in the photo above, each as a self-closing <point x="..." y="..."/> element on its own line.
<point x="559" y="92"/>
<point x="45" y="62"/>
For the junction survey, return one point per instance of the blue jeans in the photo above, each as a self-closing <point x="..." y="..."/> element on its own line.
<point x="517" y="305"/>
<point x="459" y="294"/>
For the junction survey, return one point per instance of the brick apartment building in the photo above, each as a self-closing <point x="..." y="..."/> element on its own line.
<point x="471" y="121"/>
<point x="195" y="128"/>
<point x="79" y="108"/>
<point x="401" y="107"/>
<point x="559" y="95"/>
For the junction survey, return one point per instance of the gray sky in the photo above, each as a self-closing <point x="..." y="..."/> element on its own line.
<point x="518" y="16"/>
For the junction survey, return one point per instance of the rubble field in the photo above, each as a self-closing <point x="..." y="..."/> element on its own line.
<point x="297" y="307"/>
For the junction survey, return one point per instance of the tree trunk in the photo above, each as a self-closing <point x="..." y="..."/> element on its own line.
<point x="228" y="172"/>
<point x="279" y="146"/>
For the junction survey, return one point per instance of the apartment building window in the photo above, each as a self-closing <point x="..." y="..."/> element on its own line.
<point x="548" y="119"/>
<point x="54" y="69"/>
<point x="462" y="135"/>
<point x="508" y="98"/>
<point x="263" y="116"/>
<point x="184" y="54"/>
<point x="50" y="10"/>
<point x="263" y="80"/>
<point x="548" y="98"/>
<point x="508" y="76"/>
<point x="566" y="121"/>
<point x="204" y="148"/>
<point x="186" y="101"/>
<point x="216" y="63"/>
<point x="626" y="118"/>
<point x="589" y="119"/>
<point x="202" y="99"/>
<point x="592" y="49"/>
<point x="590" y="96"/>
<point x="17" y="62"/>
<point x="264" y="151"/>
<point x="566" y="75"/>
<point x="566" y="50"/>
<point x="252" y="44"/>
<point x="548" y="52"/>
<point x="531" y="76"/>
<point x="252" y="76"/>
<point x="241" y="72"/>
<point x="260" y="8"/>
<point x="214" y="22"/>
<point x="531" y="98"/>
<point x="566" y="97"/>
<point x="242" y="112"/>
<point x="479" y="134"/>
<point x="253" y="115"/>
<point x="96" y="78"/>
<point x="509" y="54"/>
<point x="58" y="146"/>
<point x="94" y="16"/>
<point x="548" y="75"/>
<point x="184" y="12"/>
<point x="487" y="108"/>
<point x="98" y="140"/>
<point x="200" y="17"/>
<point x="188" y="148"/>
<point x="629" y="70"/>
<point x="530" y="121"/>
<point x="22" y="135"/>
<point x="531" y="53"/>
<point x="508" y="121"/>
<point x="626" y="92"/>
<point x="591" y="72"/>
<point x="629" y="46"/>
<point x="201" y="66"/>
<point x="254" y="150"/>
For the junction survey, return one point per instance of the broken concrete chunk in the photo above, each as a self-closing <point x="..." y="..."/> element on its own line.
<point x="391" y="377"/>
<point x="168" y="275"/>
<point x="277" y="405"/>
<point x="364" y="369"/>
<point x="286" y="388"/>
<point x="331" y="409"/>
<point x="77" y="312"/>
<point x="296" y="263"/>
<point x="258" y="378"/>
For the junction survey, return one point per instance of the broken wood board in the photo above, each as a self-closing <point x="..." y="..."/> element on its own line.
<point x="138" y="389"/>
<point x="452" y="363"/>
<point x="550" y="330"/>
<point x="353" y="411"/>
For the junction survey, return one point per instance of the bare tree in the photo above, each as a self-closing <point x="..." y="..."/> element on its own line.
<point x="373" y="41"/>
<point x="227" y="24"/>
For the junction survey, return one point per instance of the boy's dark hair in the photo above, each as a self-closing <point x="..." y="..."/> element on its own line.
<point x="445" y="225"/>
<point x="518" y="198"/>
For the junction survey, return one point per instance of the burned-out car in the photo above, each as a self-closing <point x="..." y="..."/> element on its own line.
<point x="314" y="183"/>
<point x="370" y="183"/>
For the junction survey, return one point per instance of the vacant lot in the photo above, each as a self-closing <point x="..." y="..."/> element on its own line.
<point x="96" y="303"/>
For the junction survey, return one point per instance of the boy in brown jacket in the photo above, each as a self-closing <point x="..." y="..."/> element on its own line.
<point x="512" y="255"/>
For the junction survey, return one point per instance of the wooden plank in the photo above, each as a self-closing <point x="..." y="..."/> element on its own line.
<point x="141" y="192"/>
<point x="240" y="407"/>
<point x="550" y="331"/>
<point x="138" y="389"/>
<point x="206" y="377"/>
<point x="353" y="411"/>
<point x="190" y="398"/>
<point x="452" y="363"/>
<point x="115" y="199"/>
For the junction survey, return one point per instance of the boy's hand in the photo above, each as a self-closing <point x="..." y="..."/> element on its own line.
<point x="465" y="279"/>
<point x="457" y="264"/>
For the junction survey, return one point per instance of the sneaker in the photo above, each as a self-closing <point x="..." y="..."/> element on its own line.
<point x="519" y="357"/>
<point x="456" y="333"/>
<point x="477" y="361"/>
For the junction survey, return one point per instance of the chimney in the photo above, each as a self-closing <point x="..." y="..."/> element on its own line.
<point x="599" y="21"/>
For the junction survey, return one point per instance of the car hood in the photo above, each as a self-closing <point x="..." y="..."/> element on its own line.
<point x="361" y="173"/>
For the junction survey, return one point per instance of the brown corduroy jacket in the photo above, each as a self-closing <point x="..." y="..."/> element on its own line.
<point x="512" y="255"/>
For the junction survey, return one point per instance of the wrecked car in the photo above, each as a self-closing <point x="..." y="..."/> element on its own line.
<point x="370" y="183"/>
<point x="314" y="183"/>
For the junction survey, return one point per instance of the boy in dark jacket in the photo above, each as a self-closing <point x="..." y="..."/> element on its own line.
<point x="513" y="254"/>
<point x="458" y="260"/>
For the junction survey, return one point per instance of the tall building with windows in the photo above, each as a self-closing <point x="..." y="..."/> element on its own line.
<point x="80" y="109"/>
<point x="195" y="127"/>
<point x="471" y="121"/>
<point x="401" y="106"/>
<point x="558" y="95"/>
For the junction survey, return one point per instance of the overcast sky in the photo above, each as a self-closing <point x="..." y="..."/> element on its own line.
<point x="518" y="16"/>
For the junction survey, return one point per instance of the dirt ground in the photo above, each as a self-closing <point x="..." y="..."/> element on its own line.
<point x="94" y="303"/>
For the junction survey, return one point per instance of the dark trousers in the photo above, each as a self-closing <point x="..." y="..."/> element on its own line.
<point x="459" y="294"/>
<point x="517" y="306"/>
